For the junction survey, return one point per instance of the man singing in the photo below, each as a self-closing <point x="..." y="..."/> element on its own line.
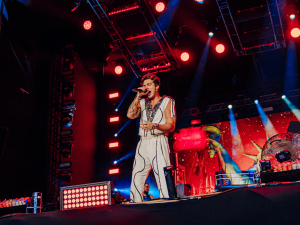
<point x="157" y="119"/>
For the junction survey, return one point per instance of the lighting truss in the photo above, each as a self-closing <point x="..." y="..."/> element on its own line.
<point x="294" y="93"/>
<point x="269" y="98"/>
<point x="191" y="112"/>
<point x="216" y="107"/>
<point x="268" y="39"/>
<point x="163" y="61"/>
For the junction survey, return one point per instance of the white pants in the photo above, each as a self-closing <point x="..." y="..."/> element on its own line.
<point x="150" y="152"/>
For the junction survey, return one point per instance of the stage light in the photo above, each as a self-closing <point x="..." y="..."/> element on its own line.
<point x="200" y="1"/>
<point x="74" y="5"/>
<point x="220" y="48"/>
<point x="67" y="118"/>
<point x="116" y="109"/>
<point x="160" y="7"/>
<point x="66" y="149"/>
<point x="87" y="25"/>
<point x="75" y="201"/>
<point x="184" y="56"/>
<point x="115" y="162"/>
<point x="65" y="165"/>
<point x="114" y="119"/>
<point x="116" y="134"/>
<point x="113" y="95"/>
<point x="113" y="171"/>
<point x="113" y="145"/>
<point x="229" y="106"/>
<point x="256" y="101"/>
<point x="118" y="70"/>
<point x="210" y="34"/>
<point x="283" y="96"/>
<point x="68" y="87"/>
<point x="116" y="189"/>
<point x="295" y="32"/>
<point x="69" y="60"/>
<point x="292" y="16"/>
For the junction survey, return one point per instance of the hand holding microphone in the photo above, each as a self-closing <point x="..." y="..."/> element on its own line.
<point x="140" y="91"/>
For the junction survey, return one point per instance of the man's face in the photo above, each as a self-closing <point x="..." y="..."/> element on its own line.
<point x="150" y="86"/>
<point x="146" y="187"/>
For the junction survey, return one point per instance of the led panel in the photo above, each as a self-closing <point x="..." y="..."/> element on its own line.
<point x="86" y="195"/>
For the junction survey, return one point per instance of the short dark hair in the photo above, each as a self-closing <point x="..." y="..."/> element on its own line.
<point x="146" y="183"/>
<point x="151" y="76"/>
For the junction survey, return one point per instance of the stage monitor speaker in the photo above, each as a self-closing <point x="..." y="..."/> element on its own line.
<point x="170" y="182"/>
<point x="294" y="127"/>
<point x="3" y="133"/>
<point x="183" y="190"/>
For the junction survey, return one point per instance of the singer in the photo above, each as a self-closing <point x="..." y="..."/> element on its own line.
<point x="157" y="120"/>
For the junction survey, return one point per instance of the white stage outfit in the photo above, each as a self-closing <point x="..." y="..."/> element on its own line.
<point x="152" y="150"/>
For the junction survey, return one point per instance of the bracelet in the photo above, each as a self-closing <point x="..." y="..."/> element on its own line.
<point x="156" y="125"/>
<point x="139" y="97"/>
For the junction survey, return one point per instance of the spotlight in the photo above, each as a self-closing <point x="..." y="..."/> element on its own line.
<point x="116" y="109"/>
<point x="74" y="5"/>
<point x="68" y="88"/>
<point x="119" y="66"/>
<point x="220" y="48"/>
<point x="184" y="56"/>
<point x="200" y="1"/>
<point x="115" y="189"/>
<point x="116" y="135"/>
<point x="295" y="32"/>
<point x="87" y="25"/>
<point x="292" y="16"/>
<point x="160" y="7"/>
<point x="115" y="162"/>
<point x="229" y="106"/>
<point x="283" y="96"/>
<point x="118" y="70"/>
<point x="67" y="118"/>
<point x="69" y="59"/>
<point x="66" y="149"/>
<point x="256" y="102"/>
<point x="210" y="34"/>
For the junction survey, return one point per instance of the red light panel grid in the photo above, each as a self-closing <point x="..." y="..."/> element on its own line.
<point x="113" y="145"/>
<point x="86" y="195"/>
<point x="113" y="171"/>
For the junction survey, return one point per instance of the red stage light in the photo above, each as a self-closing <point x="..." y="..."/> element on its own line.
<point x="106" y="202"/>
<point x="97" y="193"/>
<point x="105" y="192"/>
<point x="101" y="187"/>
<point x="184" y="56"/>
<point x="113" y="171"/>
<point x="220" y="48"/>
<point x="160" y="7"/>
<point x="114" y="95"/>
<point x="102" y="202"/>
<point x="81" y="189"/>
<point x="97" y="188"/>
<point x="85" y="199"/>
<point x="118" y="70"/>
<point x="295" y="32"/>
<point x="101" y="192"/>
<point x="89" y="189"/>
<point x="87" y="25"/>
<point x="65" y="192"/>
<point x="105" y="186"/>
<point x="69" y="191"/>
<point x="85" y="189"/>
<point x="114" y="119"/>
<point x="113" y="144"/>
<point x="194" y="122"/>
<point x="73" y="191"/>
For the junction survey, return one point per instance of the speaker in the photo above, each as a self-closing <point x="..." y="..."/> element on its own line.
<point x="3" y="133"/>
<point x="170" y="182"/>
<point x="183" y="190"/>
<point x="294" y="127"/>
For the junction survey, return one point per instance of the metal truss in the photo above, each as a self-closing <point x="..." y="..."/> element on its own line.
<point x="294" y="93"/>
<point x="55" y="137"/>
<point x="216" y="107"/>
<point x="268" y="98"/>
<point x="101" y="11"/>
<point x="163" y="61"/>
<point x="191" y="112"/>
<point x="158" y="34"/>
<point x="230" y="25"/>
<point x="248" y="46"/>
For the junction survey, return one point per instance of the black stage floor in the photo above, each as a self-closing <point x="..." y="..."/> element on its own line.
<point x="278" y="204"/>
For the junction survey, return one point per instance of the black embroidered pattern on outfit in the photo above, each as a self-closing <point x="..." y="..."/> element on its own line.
<point x="151" y="113"/>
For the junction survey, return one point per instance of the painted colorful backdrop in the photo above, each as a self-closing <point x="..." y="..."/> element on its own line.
<point x="200" y="168"/>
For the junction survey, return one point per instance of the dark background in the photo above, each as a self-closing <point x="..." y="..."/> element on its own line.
<point x="28" y="39"/>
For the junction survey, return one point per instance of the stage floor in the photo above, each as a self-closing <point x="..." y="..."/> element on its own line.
<point x="274" y="204"/>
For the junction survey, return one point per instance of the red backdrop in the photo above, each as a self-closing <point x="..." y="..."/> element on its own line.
<point x="200" y="169"/>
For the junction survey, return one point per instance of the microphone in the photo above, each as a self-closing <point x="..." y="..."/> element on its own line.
<point x="138" y="90"/>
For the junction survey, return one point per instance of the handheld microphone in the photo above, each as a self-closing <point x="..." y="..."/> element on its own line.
<point x="138" y="90"/>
